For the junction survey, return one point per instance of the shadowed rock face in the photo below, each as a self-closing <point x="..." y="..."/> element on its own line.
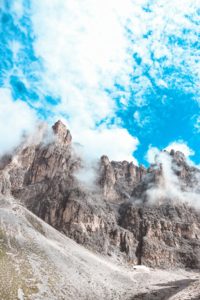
<point x="114" y="217"/>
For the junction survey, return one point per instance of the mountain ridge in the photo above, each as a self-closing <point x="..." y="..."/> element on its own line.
<point x="116" y="217"/>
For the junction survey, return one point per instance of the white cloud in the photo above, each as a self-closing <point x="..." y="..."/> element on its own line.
<point x="114" y="142"/>
<point x="182" y="147"/>
<point x="197" y="124"/>
<point x="86" y="48"/>
<point x="136" y="117"/>
<point x="169" y="188"/>
<point x="86" y="51"/>
<point x="139" y="119"/>
<point x="151" y="155"/>
<point x="153" y="152"/>
<point x="16" y="118"/>
<point x="166" y="31"/>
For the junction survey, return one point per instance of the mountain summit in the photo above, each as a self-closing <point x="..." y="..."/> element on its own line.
<point x="62" y="133"/>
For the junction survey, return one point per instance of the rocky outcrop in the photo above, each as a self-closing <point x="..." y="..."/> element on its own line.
<point x="62" y="134"/>
<point x="116" y="217"/>
<point x="118" y="179"/>
<point x="168" y="235"/>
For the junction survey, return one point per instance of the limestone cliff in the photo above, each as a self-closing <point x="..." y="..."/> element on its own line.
<point x="115" y="217"/>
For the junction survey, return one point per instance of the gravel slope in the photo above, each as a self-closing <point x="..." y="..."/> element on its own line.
<point x="38" y="262"/>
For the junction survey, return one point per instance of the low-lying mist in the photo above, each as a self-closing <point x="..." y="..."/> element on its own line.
<point x="176" y="182"/>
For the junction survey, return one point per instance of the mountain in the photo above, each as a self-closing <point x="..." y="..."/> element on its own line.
<point x="131" y="215"/>
<point x="41" y="263"/>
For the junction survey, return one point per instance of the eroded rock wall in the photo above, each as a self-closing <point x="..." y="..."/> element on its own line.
<point x="114" y="217"/>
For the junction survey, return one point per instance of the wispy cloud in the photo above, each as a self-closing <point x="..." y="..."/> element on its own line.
<point x="16" y="118"/>
<point x="153" y="152"/>
<point x="84" y="61"/>
<point x="95" y="52"/>
<point x="182" y="147"/>
<point x="86" y="53"/>
<point x="169" y="186"/>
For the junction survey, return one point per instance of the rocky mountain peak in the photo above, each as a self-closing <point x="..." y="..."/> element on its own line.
<point x="120" y="216"/>
<point x="62" y="133"/>
<point x="105" y="160"/>
<point x="178" y="158"/>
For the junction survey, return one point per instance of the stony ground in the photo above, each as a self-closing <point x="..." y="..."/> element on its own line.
<point x="180" y="289"/>
<point x="38" y="262"/>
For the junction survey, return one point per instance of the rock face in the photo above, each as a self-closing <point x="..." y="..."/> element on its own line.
<point x="62" y="134"/>
<point x="168" y="235"/>
<point x="133" y="213"/>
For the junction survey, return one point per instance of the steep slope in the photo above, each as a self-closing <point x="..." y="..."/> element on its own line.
<point x="37" y="262"/>
<point x="132" y="213"/>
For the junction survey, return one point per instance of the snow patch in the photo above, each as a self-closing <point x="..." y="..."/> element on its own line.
<point x="20" y="294"/>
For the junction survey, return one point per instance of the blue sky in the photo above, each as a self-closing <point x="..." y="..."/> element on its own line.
<point x="124" y="75"/>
